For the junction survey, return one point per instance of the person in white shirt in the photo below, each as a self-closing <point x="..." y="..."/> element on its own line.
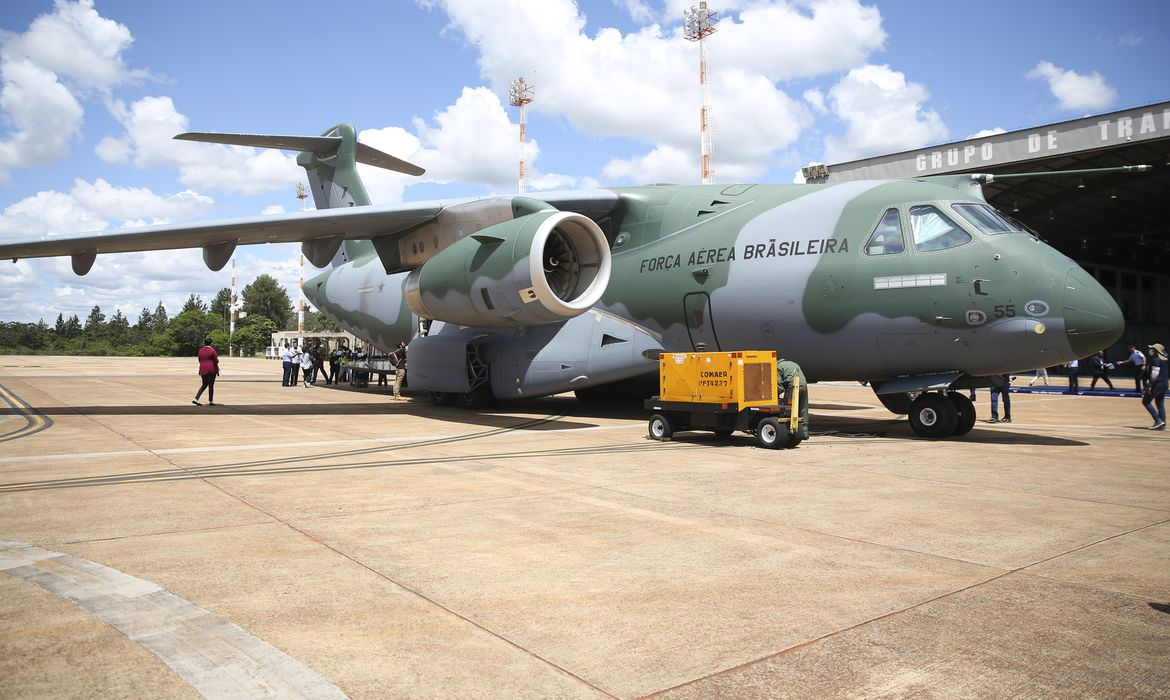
<point x="286" y="356"/>
<point x="1137" y="358"/>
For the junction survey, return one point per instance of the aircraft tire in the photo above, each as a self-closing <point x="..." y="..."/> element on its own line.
<point x="933" y="415"/>
<point x="476" y="398"/>
<point x="771" y="433"/>
<point x="442" y="398"/>
<point x="966" y="409"/>
<point x="659" y="427"/>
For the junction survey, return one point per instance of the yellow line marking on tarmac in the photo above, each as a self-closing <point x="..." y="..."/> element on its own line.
<point x="35" y="422"/>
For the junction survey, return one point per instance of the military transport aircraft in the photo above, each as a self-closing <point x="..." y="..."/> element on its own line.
<point x="918" y="287"/>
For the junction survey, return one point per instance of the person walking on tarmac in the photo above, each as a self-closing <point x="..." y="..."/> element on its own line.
<point x="1154" y="397"/>
<point x="786" y="370"/>
<point x="306" y="360"/>
<point x="398" y="357"/>
<point x="208" y="371"/>
<point x="1100" y="369"/>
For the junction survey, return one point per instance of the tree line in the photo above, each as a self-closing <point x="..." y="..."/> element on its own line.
<point x="264" y="309"/>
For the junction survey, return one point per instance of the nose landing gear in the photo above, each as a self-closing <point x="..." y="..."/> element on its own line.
<point x="938" y="415"/>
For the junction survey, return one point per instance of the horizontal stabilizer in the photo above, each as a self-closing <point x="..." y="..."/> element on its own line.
<point x="367" y="155"/>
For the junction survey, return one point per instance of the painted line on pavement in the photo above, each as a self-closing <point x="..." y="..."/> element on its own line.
<point x="217" y="658"/>
<point x="34" y="422"/>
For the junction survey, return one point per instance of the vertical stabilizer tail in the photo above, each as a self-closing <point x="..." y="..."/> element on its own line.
<point x="331" y="163"/>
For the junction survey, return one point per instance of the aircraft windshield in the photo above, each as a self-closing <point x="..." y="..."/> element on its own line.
<point x="886" y="239"/>
<point x="986" y="219"/>
<point x="933" y="230"/>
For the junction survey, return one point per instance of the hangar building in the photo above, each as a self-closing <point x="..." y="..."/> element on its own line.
<point x="1116" y="225"/>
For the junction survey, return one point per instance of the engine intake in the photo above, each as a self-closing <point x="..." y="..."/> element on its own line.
<point x="540" y="268"/>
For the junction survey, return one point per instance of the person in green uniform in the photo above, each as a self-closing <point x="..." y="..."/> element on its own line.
<point x="785" y="371"/>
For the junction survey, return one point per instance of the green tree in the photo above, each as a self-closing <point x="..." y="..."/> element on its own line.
<point x="159" y="319"/>
<point x="95" y="325"/>
<point x="315" y="321"/>
<point x="189" y="329"/>
<point x="72" y="327"/>
<point x="221" y="306"/>
<point x="250" y="340"/>
<point x="194" y="303"/>
<point x="265" y="297"/>
<point x="118" y="329"/>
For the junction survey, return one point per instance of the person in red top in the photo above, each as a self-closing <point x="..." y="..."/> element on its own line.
<point x="208" y="371"/>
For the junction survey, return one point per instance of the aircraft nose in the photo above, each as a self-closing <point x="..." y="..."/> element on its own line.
<point x="1093" y="320"/>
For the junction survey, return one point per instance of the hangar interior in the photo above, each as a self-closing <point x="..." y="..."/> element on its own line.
<point x="1115" y="225"/>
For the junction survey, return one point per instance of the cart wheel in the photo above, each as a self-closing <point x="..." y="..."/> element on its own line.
<point x="771" y="433"/>
<point x="793" y="440"/>
<point x="440" y="398"/>
<point x="723" y="434"/>
<point x="660" y="428"/>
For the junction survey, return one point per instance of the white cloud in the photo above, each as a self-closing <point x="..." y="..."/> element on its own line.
<point x="76" y="42"/>
<point x="883" y="113"/>
<point x="787" y="40"/>
<point x="1075" y="91"/>
<point x="663" y="164"/>
<point x="638" y="10"/>
<point x="1130" y="39"/>
<point x="151" y="124"/>
<point x="816" y="99"/>
<point x="986" y="132"/>
<point x="45" y="115"/>
<point x="643" y="84"/>
<point x="71" y="51"/>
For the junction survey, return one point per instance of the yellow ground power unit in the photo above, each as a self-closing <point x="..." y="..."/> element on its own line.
<point x="724" y="392"/>
<point x="743" y="378"/>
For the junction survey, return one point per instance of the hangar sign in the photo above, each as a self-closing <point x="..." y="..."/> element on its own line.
<point x="1086" y="134"/>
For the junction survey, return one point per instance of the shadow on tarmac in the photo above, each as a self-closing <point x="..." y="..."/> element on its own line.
<point x="546" y="413"/>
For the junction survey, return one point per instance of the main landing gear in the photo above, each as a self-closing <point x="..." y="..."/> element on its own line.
<point x="940" y="415"/>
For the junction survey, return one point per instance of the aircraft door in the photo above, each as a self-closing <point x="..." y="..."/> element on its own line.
<point x="700" y="325"/>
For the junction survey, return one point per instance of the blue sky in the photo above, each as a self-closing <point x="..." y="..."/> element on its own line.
<point x="91" y="92"/>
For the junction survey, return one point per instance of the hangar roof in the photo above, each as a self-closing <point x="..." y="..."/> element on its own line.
<point x="1115" y="219"/>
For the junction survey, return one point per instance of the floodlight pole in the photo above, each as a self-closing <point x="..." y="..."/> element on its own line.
<point x="520" y="95"/>
<point x="698" y="24"/>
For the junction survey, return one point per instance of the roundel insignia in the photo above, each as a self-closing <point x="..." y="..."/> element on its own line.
<point x="1036" y="308"/>
<point x="975" y="317"/>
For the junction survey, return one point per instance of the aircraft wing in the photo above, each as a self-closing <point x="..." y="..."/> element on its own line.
<point x="320" y="231"/>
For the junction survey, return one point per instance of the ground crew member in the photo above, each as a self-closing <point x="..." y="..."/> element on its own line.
<point x="398" y="357"/>
<point x="785" y="371"/>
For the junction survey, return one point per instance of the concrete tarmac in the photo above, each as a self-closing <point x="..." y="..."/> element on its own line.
<point x="320" y="542"/>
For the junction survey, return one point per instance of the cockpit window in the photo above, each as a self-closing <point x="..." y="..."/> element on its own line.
<point x="933" y="230"/>
<point x="986" y="219"/>
<point x="886" y="239"/>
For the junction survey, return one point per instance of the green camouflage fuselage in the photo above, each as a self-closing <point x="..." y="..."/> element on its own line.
<point x="785" y="267"/>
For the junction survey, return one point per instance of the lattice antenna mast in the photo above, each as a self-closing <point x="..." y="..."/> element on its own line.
<point x="520" y="95"/>
<point x="698" y="24"/>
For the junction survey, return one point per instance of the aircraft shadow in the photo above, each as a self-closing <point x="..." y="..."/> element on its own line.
<point x="540" y="421"/>
<point x="548" y="413"/>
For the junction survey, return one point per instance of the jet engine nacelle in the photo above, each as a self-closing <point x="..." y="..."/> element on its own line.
<point x="540" y="268"/>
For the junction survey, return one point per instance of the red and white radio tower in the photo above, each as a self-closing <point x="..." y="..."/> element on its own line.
<point x="698" y="24"/>
<point x="301" y="195"/>
<point x="519" y="95"/>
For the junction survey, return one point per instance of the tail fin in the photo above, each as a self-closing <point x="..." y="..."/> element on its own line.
<point x="331" y="163"/>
